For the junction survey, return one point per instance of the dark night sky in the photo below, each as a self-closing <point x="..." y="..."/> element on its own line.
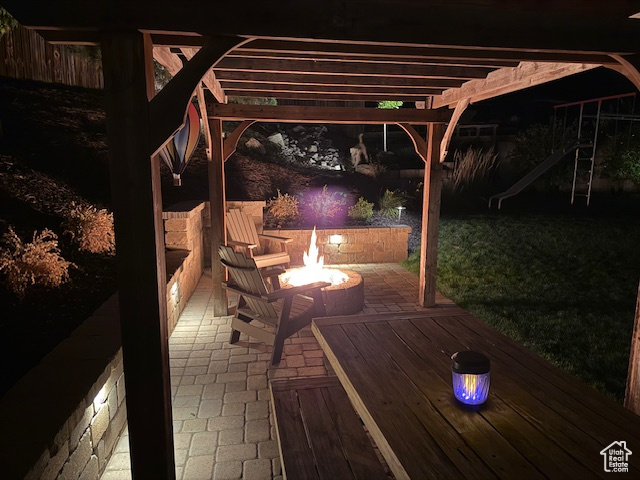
<point x="535" y="105"/>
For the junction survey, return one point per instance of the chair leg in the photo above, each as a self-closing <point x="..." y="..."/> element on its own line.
<point x="235" y="334"/>
<point x="281" y="331"/>
<point x="278" y="346"/>
<point x="234" y="337"/>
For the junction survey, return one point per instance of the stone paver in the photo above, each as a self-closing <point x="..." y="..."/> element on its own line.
<point x="221" y="409"/>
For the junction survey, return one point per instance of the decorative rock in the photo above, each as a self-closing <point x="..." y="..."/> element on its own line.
<point x="312" y="149"/>
<point x="298" y="129"/>
<point x="277" y="139"/>
<point x="256" y="145"/>
<point x="367" y="170"/>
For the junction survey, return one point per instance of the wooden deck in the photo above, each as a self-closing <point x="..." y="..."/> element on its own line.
<point x="539" y="422"/>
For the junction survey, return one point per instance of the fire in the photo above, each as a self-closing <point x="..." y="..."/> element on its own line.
<point x="313" y="270"/>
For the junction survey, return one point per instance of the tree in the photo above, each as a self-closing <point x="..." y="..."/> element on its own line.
<point x="388" y="104"/>
<point x="7" y="22"/>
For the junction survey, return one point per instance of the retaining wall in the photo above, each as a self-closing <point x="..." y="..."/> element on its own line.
<point x="183" y="226"/>
<point x="350" y="245"/>
<point x="63" y="418"/>
<point x="343" y="245"/>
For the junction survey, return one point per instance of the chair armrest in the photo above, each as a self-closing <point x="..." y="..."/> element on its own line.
<point x="236" y="243"/>
<point x="273" y="238"/>
<point x="286" y="292"/>
<point x="239" y="291"/>
<point x="271" y="272"/>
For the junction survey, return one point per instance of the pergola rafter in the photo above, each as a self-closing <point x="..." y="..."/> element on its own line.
<point x="355" y="79"/>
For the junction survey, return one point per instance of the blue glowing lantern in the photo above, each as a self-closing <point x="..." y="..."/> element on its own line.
<point x="471" y="377"/>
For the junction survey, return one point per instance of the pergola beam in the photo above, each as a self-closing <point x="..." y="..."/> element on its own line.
<point x="231" y="142"/>
<point x="461" y="106"/>
<point x="209" y="78"/>
<point x="587" y="25"/>
<point x="335" y="115"/>
<point x="311" y="88"/>
<point x="345" y="97"/>
<point x="422" y="53"/>
<point x="332" y="67"/>
<point x="173" y="63"/>
<point x="168" y="108"/>
<point x="508" y="80"/>
<point x="371" y="59"/>
<point x="226" y="77"/>
<point x="369" y="51"/>
<point x="629" y="67"/>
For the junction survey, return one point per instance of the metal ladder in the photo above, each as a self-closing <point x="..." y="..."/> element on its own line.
<point x="585" y="158"/>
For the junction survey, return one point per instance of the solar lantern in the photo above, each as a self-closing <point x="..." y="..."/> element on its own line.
<point x="471" y="377"/>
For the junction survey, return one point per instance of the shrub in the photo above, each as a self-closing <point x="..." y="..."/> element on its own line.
<point x="90" y="229"/>
<point x="7" y="22"/>
<point x="627" y="165"/>
<point x="473" y="169"/>
<point x="362" y="210"/>
<point x="325" y="205"/>
<point x="532" y="146"/>
<point x="38" y="262"/>
<point x="622" y="155"/>
<point x="377" y="168"/>
<point x="390" y="201"/>
<point x="284" y="208"/>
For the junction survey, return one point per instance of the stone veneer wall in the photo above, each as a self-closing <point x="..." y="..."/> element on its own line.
<point x="350" y="245"/>
<point x="62" y="420"/>
<point x="252" y="208"/>
<point x="183" y="226"/>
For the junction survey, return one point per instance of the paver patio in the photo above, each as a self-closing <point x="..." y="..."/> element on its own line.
<point x="221" y="410"/>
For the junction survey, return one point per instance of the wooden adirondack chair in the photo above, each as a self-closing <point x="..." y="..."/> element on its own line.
<point x="288" y="310"/>
<point x="242" y="233"/>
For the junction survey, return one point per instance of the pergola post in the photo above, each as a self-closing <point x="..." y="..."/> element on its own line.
<point x="430" y="216"/>
<point x="632" y="394"/>
<point x="135" y="186"/>
<point x="217" y="207"/>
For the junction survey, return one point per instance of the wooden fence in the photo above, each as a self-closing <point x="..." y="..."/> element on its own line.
<point x="25" y="55"/>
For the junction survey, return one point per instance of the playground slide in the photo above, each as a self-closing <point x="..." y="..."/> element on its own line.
<point x="534" y="174"/>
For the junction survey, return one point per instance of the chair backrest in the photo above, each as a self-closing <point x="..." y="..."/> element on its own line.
<point x="241" y="228"/>
<point x="245" y="274"/>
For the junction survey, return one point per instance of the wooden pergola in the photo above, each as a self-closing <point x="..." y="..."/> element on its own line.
<point x="442" y="55"/>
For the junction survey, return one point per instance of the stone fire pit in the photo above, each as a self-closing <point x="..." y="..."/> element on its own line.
<point x="344" y="299"/>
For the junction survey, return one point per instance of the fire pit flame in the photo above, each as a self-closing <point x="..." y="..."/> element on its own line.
<point x="313" y="270"/>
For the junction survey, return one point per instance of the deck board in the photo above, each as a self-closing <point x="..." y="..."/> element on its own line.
<point x="319" y="434"/>
<point x="539" y="422"/>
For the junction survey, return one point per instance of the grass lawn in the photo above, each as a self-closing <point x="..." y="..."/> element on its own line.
<point x="564" y="286"/>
